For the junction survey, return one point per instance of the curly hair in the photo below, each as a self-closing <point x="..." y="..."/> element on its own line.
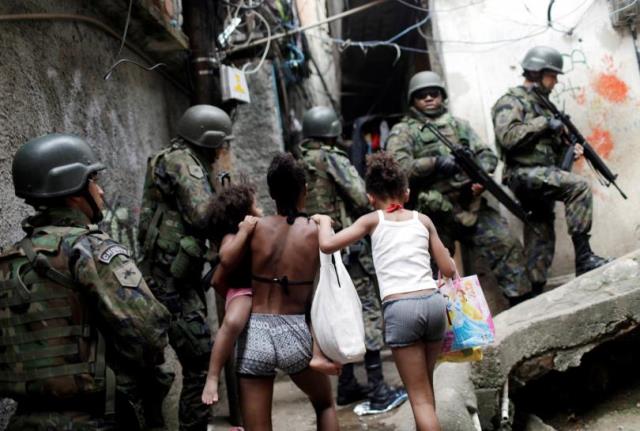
<point x="384" y="177"/>
<point x="286" y="180"/>
<point x="230" y="208"/>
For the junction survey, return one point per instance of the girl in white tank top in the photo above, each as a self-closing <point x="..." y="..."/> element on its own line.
<point x="403" y="242"/>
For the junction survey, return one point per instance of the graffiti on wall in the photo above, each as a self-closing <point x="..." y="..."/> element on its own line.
<point x="119" y="222"/>
<point x="598" y="88"/>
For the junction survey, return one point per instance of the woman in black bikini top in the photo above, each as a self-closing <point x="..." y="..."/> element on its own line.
<point x="284" y="261"/>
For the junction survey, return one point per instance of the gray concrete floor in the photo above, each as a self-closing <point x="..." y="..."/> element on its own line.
<point x="292" y="411"/>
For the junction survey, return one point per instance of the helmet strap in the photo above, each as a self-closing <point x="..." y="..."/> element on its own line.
<point x="96" y="213"/>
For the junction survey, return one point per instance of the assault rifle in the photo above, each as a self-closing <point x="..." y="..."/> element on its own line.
<point x="466" y="161"/>
<point x="573" y="137"/>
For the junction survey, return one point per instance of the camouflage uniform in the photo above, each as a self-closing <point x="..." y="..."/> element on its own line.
<point x="176" y="208"/>
<point x="532" y="154"/>
<point x="448" y="200"/>
<point x="336" y="189"/>
<point x="80" y="328"/>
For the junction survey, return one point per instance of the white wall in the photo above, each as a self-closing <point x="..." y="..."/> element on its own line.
<point x="322" y="50"/>
<point x="600" y="90"/>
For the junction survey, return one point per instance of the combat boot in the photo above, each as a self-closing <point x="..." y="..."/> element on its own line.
<point x="349" y="390"/>
<point x="382" y="397"/>
<point x="515" y="300"/>
<point x="586" y="260"/>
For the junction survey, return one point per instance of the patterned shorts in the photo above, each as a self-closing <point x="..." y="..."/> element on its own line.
<point x="274" y="341"/>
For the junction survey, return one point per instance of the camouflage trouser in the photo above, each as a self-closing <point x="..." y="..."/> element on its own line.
<point x="538" y="188"/>
<point x="371" y="309"/>
<point x="492" y="241"/>
<point x="189" y="336"/>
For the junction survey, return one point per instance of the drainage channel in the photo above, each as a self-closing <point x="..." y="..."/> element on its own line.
<point x="601" y="394"/>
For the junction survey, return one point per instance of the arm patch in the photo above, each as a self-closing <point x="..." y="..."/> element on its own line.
<point x="107" y="255"/>
<point x="128" y="275"/>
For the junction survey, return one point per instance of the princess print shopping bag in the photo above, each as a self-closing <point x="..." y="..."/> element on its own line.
<point x="469" y="320"/>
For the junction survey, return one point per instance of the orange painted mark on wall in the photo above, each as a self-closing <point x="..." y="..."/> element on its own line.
<point x="601" y="141"/>
<point x="611" y="87"/>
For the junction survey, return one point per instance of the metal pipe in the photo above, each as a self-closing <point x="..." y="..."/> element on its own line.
<point x="504" y="410"/>
<point x="96" y="23"/>
<point x="199" y="22"/>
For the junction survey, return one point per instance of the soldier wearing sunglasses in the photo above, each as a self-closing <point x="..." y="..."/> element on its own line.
<point x="440" y="189"/>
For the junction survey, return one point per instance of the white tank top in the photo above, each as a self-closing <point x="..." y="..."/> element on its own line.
<point x="401" y="256"/>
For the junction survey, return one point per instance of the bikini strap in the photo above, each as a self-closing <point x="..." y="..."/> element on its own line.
<point x="415" y="215"/>
<point x="283" y="281"/>
<point x="380" y="216"/>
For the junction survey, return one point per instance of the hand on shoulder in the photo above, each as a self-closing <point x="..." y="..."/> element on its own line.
<point x="321" y="219"/>
<point x="248" y="225"/>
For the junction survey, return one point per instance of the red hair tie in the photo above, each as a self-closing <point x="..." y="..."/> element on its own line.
<point x="393" y="207"/>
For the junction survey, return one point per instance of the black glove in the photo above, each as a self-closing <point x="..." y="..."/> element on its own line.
<point x="446" y="165"/>
<point x="555" y="125"/>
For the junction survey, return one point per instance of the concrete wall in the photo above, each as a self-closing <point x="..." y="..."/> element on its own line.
<point x="481" y="45"/>
<point x="258" y="132"/>
<point x="51" y="80"/>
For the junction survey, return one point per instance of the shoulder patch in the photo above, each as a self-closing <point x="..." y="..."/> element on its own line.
<point x="107" y="255"/>
<point x="196" y="171"/>
<point x="128" y="275"/>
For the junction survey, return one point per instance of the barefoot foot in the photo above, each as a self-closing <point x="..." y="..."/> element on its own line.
<point x="210" y="392"/>
<point x="325" y="366"/>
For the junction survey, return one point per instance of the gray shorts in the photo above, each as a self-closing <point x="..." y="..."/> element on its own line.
<point x="274" y="341"/>
<point x="419" y="318"/>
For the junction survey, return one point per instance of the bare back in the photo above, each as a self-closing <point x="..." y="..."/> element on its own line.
<point x="278" y="250"/>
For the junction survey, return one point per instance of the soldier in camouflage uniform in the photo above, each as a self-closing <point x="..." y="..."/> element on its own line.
<point x="174" y="220"/>
<point x="530" y="141"/>
<point x="336" y="189"/>
<point x="80" y="328"/>
<point x="441" y="190"/>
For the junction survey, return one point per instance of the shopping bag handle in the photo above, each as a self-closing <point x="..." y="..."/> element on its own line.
<point x="440" y="281"/>
<point x="331" y="259"/>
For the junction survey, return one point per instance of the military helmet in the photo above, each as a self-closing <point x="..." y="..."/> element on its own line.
<point x="542" y="57"/>
<point x="321" y="122"/>
<point x="52" y="166"/>
<point x="205" y="126"/>
<point x="425" y="79"/>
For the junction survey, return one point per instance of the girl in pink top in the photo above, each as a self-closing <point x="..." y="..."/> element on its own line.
<point x="234" y="221"/>
<point x="414" y="312"/>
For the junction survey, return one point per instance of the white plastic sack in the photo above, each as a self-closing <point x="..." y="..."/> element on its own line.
<point x="336" y="313"/>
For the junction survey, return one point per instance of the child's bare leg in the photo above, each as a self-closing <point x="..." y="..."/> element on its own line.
<point x="256" y="396"/>
<point x="234" y="322"/>
<point x="320" y="362"/>
<point x="318" y="388"/>
<point x="415" y="365"/>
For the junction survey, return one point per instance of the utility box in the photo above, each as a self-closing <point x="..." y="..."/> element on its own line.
<point x="624" y="13"/>
<point x="234" y="84"/>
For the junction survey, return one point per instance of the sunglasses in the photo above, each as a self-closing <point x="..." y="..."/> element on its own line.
<point x="427" y="92"/>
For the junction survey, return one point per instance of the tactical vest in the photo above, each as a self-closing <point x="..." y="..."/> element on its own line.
<point x="163" y="234"/>
<point x="322" y="193"/>
<point x="546" y="151"/>
<point x="48" y="347"/>
<point x="426" y="144"/>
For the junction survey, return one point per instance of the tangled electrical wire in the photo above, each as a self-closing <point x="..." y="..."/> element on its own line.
<point x="118" y="60"/>
<point x="285" y="18"/>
